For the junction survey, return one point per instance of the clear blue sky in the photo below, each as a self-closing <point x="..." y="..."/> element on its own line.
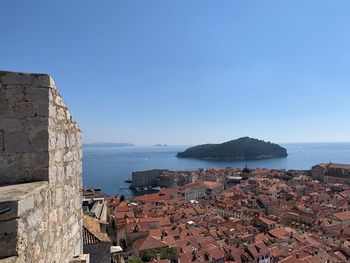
<point x="190" y="71"/>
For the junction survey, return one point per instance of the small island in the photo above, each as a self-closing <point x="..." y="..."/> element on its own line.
<point x="244" y="148"/>
<point x="160" y="145"/>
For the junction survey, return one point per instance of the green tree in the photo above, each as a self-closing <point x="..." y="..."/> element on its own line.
<point x="168" y="253"/>
<point x="149" y="255"/>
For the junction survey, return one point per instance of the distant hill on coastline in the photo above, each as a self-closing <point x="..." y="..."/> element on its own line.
<point x="244" y="148"/>
<point x="160" y="145"/>
<point x="109" y="144"/>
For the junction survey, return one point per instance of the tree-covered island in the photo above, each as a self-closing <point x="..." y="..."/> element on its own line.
<point x="244" y="148"/>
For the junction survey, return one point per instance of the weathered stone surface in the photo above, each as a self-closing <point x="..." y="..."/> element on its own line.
<point x="8" y="240"/>
<point x="2" y="140"/>
<point x="43" y="80"/>
<point x="10" y="124"/>
<point x="15" y="94"/>
<point x="35" y="94"/>
<point x="41" y="142"/>
<point x="17" y="78"/>
<point x="5" y="109"/>
<point x="16" y="142"/>
<point x="9" y="78"/>
<point x="84" y="258"/>
<point x="9" y="260"/>
<point x="8" y="210"/>
<point x="42" y="109"/>
<point x="20" y="197"/>
<point x="23" y="109"/>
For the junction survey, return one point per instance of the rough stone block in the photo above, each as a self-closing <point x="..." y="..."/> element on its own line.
<point x="16" y="200"/>
<point x="40" y="142"/>
<point x="84" y="258"/>
<point x="42" y="109"/>
<point x="24" y="109"/>
<point x="15" y="94"/>
<point x="16" y="142"/>
<point x="5" y="109"/>
<point x="8" y="238"/>
<point x="35" y="94"/>
<point x="61" y="114"/>
<point x="10" y="124"/>
<point x="11" y="78"/>
<point x="43" y="80"/>
<point x="9" y="260"/>
<point x="60" y="140"/>
<point x="8" y="210"/>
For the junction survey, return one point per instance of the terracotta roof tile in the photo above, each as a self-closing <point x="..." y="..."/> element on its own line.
<point x="149" y="242"/>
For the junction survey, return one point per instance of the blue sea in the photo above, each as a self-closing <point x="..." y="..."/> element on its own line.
<point x="109" y="167"/>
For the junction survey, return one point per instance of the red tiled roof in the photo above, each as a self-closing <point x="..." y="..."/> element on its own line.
<point x="343" y="215"/>
<point x="164" y="194"/>
<point x="149" y="242"/>
<point x="291" y="259"/>
<point x="258" y="249"/>
<point x="215" y="252"/>
<point x="279" y="232"/>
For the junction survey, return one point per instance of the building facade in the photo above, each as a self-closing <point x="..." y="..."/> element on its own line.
<point x="331" y="173"/>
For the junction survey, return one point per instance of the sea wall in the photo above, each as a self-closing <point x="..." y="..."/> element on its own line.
<point x="146" y="178"/>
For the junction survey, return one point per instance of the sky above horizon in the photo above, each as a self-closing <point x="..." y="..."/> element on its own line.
<point x="189" y="72"/>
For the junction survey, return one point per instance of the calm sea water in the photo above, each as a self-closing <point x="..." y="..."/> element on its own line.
<point x="108" y="168"/>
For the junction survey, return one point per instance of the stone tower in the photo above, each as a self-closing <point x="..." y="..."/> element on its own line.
<point x="40" y="172"/>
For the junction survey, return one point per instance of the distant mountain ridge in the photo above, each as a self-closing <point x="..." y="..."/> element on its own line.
<point x="109" y="144"/>
<point x="244" y="148"/>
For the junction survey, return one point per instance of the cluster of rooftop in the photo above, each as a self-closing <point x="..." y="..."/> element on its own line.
<point x="213" y="215"/>
<point x="233" y="215"/>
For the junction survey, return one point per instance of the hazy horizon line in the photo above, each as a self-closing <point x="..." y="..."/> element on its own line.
<point x="169" y="145"/>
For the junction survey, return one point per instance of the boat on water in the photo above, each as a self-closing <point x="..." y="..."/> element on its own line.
<point x="145" y="188"/>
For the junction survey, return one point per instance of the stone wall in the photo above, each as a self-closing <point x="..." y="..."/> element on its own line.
<point x="24" y="228"/>
<point x="145" y="178"/>
<point x="65" y="179"/>
<point x="24" y="112"/>
<point x="40" y="141"/>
